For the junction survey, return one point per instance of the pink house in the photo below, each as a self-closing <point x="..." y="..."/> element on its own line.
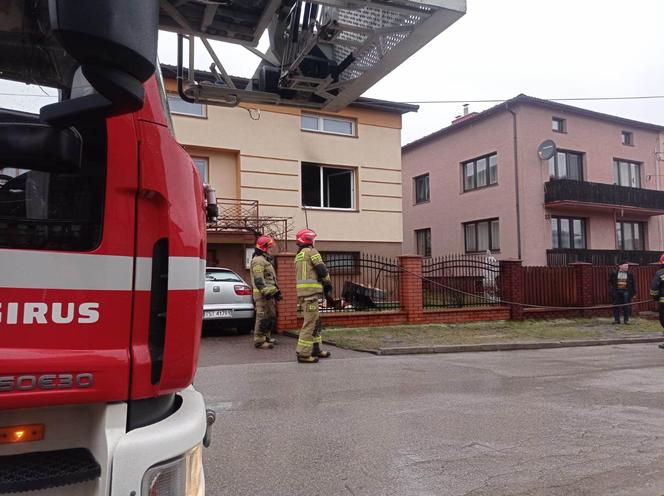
<point x="480" y="184"/>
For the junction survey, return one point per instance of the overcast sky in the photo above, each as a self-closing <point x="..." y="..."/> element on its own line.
<point x="500" y="48"/>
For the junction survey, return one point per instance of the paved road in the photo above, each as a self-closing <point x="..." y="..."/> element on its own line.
<point x="548" y="422"/>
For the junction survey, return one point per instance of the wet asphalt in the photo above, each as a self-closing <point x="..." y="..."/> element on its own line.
<point x="577" y="421"/>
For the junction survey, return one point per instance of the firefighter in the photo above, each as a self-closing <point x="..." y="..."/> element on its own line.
<point x="266" y="293"/>
<point x="657" y="292"/>
<point x="313" y="281"/>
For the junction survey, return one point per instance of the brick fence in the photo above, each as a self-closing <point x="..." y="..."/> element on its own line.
<point x="576" y="285"/>
<point x="411" y="310"/>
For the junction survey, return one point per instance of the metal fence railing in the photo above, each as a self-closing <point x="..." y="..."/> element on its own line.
<point x="362" y="282"/>
<point x="460" y="281"/>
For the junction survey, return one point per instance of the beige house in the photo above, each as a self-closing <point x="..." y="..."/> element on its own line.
<point x="275" y="168"/>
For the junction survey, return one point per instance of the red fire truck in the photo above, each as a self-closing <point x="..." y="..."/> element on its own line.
<point x="103" y="219"/>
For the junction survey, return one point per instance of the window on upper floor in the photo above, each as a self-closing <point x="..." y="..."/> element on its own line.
<point x="630" y="235"/>
<point x="627" y="138"/>
<point x="203" y="167"/>
<point x="627" y="173"/>
<point x="568" y="232"/>
<point x="326" y="124"/>
<point x="482" y="235"/>
<point x="422" y="188"/>
<point x="423" y="242"/>
<point x="480" y="172"/>
<point x="325" y="186"/>
<point x="558" y="124"/>
<point x="566" y="165"/>
<point x="179" y="107"/>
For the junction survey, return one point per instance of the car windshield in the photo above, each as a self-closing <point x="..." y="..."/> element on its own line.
<point x="222" y="275"/>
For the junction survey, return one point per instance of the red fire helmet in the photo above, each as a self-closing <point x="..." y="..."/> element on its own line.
<point x="264" y="242"/>
<point x="305" y="237"/>
<point x="661" y="258"/>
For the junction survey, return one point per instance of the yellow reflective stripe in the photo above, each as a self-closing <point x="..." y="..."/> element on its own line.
<point x="305" y="342"/>
<point x="299" y="256"/>
<point x="308" y="285"/>
<point x="316" y="258"/>
<point x="318" y="340"/>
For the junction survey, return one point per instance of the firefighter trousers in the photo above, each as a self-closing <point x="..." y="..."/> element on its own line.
<point x="310" y="332"/>
<point x="266" y="319"/>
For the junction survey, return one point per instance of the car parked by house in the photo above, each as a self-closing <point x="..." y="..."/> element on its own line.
<point x="228" y="300"/>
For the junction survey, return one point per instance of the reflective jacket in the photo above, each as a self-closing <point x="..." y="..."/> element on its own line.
<point x="311" y="274"/>
<point x="263" y="276"/>
<point x="657" y="286"/>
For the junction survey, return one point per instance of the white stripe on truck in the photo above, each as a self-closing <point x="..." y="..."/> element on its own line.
<point x="25" y="269"/>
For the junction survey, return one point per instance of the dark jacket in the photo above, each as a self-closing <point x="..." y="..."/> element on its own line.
<point x="613" y="284"/>
<point x="657" y="286"/>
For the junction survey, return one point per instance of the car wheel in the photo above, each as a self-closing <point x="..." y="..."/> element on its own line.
<point x="246" y="326"/>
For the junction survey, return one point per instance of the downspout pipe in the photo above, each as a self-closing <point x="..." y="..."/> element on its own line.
<point x="516" y="180"/>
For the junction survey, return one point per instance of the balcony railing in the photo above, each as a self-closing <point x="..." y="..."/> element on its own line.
<point x="243" y="216"/>
<point x="568" y="190"/>
<point x="558" y="257"/>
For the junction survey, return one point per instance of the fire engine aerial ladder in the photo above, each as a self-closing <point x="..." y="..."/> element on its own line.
<point x="103" y="218"/>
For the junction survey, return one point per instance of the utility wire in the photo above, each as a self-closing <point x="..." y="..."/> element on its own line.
<point x="421" y="102"/>
<point x="575" y="99"/>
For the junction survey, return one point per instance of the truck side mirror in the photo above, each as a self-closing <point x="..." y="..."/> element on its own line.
<point x="40" y="147"/>
<point x="115" y="41"/>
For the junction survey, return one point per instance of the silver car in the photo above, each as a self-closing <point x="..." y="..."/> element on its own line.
<point x="228" y="300"/>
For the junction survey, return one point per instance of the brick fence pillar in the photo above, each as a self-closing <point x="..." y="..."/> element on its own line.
<point x="287" y="307"/>
<point x="583" y="277"/>
<point x="410" y="288"/>
<point x="511" y="286"/>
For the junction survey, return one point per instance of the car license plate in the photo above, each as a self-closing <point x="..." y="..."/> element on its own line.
<point x="210" y="314"/>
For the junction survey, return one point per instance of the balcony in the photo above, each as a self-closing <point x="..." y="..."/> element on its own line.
<point x="243" y="217"/>
<point x="558" y="257"/>
<point x="574" y="195"/>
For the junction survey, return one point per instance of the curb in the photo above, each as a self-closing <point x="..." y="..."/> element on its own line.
<point x="467" y="348"/>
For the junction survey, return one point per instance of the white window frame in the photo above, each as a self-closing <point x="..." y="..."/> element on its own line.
<point x="560" y="124"/>
<point x="322" y="186"/>
<point x="206" y="178"/>
<point x="426" y="234"/>
<point x="202" y="115"/>
<point x="427" y="178"/>
<point x="627" y="138"/>
<point x="321" y="124"/>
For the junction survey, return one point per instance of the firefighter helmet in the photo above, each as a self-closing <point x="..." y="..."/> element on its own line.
<point x="661" y="258"/>
<point x="264" y="242"/>
<point x="305" y="237"/>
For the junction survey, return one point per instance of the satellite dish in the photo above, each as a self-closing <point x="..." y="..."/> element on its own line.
<point x="546" y="150"/>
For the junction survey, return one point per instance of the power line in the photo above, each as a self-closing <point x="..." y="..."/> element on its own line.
<point x="424" y="102"/>
<point x="576" y="99"/>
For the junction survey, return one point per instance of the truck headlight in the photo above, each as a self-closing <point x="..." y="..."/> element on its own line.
<point x="182" y="476"/>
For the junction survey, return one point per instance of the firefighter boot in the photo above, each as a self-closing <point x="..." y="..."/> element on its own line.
<point x="307" y="359"/>
<point x="317" y="352"/>
<point x="265" y="345"/>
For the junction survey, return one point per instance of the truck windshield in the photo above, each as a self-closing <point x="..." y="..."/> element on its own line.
<point x="45" y="210"/>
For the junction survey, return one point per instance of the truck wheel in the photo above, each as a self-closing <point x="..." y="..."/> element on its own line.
<point x="245" y="327"/>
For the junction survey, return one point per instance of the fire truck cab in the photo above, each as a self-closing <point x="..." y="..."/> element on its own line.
<point x="102" y="258"/>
